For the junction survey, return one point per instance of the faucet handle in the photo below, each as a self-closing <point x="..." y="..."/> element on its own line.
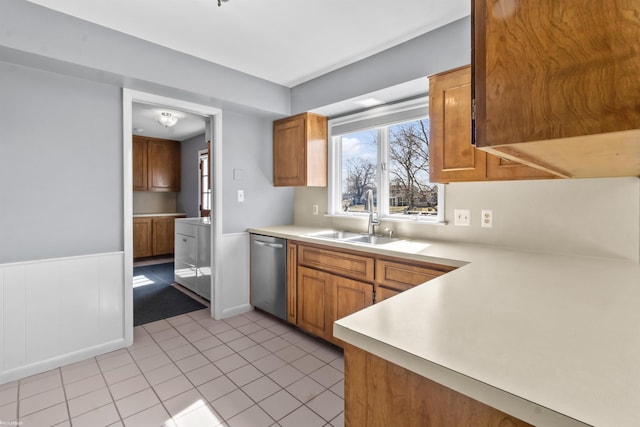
<point x="388" y="230"/>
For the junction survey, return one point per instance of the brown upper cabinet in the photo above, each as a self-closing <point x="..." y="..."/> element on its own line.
<point x="300" y="151"/>
<point x="555" y="84"/>
<point x="156" y="164"/>
<point x="452" y="156"/>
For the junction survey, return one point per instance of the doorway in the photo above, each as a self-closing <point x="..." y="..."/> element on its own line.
<point x="214" y="133"/>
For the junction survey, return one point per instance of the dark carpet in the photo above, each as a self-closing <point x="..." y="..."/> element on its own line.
<point x="154" y="298"/>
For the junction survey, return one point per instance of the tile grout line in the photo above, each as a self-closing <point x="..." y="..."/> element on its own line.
<point x="262" y="322"/>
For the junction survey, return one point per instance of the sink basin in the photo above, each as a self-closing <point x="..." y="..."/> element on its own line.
<point x="350" y="237"/>
<point x="335" y="235"/>
<point x="373" y="240"/>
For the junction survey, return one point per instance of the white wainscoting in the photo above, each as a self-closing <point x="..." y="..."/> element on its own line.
<point x="58" y="311"/>
<point x="235" y="274"/>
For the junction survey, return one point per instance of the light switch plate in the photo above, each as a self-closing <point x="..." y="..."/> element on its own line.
<point x="462" y="217"/>
<point x="240" y="196"/>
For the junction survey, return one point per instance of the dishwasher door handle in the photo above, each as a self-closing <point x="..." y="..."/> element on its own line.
<point x="271" y="245"/>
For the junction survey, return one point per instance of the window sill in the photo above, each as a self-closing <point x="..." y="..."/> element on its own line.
<point x="408" y="219"/>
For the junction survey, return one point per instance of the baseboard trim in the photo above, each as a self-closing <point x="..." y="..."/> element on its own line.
<point x="236" y="310"/>
<point x="58" y="361"/>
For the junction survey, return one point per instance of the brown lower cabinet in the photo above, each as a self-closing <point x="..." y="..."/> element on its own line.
<point x="378" y="393"/>
<point x="142" y="237"/>
<point x="325" y="284"/>
<point x="153" y="235"/>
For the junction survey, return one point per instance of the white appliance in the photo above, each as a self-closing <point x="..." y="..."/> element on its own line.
<point x="192" y="256"/>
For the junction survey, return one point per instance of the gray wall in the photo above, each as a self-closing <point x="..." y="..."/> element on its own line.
<point x="248" y="146"/>
<point x="588" y="217"/>
<point x="60" y="166"/>
<point x="436" y="51"/>
<point x="187" y="198"/>
<point x="61" y="131"/>
<point x="38" y="37"/>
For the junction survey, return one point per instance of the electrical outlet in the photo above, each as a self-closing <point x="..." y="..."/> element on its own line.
<point x="462" y="217"/>
<point x="486" y="218"/>
<point x="240" y="196"/>
<point x="315" y="209"/>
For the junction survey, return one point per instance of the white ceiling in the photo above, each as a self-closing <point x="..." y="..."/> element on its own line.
<point x="145" y="123"/>
<point x="284" y="41"/>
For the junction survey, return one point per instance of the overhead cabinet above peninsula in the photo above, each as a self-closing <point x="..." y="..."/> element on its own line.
<point x="453" y="157"/>
<point x="300" y="151"/>
<point x="156" y="164"/>
<point x="556" y="85"/>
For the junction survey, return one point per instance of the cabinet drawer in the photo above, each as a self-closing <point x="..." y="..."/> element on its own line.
<point x="341" y="263"/>
<point x="402" y="276"/>
<point x="186" y="229"/>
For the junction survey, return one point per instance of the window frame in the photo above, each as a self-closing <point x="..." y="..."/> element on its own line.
<point x="201" y="193"/>
<point x="387" y="116"/>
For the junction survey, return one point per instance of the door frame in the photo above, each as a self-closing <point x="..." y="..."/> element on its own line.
<point x="130" y="96"/>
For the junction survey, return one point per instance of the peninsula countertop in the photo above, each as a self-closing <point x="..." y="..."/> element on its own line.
<point x="551" y="339"/>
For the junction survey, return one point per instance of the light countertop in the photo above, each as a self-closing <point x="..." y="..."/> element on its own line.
<point x="201" y="221"/>
<point x="551" y="339"/>
<point x="143" y="215"/>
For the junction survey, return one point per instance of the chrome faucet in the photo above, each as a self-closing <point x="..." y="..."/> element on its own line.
<point x="372" y="222"/>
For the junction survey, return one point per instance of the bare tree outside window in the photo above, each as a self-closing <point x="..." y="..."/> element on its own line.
<point x="361" y="176"/>
<point x="410" y="191"/>
<point x="359" y="159"/>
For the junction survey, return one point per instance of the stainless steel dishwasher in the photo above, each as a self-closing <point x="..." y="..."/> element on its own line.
<point x="269" y="274"/>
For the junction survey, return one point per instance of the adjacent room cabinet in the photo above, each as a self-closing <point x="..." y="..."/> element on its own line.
<point x="142" y="237"/>
<point x="326" y="284"/>
<point x="555" y="84"/>
<point x="452" y="156"/>
<point x="156" y="164"/>
<point x="153" y="235"/>
<point x="300" y="151"/>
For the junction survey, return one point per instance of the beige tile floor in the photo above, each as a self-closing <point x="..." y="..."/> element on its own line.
<point x="250" y="370"/>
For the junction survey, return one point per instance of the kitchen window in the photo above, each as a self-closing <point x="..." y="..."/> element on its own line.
<point x="385" y="150"/>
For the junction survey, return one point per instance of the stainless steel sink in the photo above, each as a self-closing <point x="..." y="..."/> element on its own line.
<point x="350" y="237"/>
<point x="373" y="240"/>
<point x="335" y="235"/>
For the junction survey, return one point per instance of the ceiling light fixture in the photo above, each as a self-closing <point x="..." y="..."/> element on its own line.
<point x="220" y="2"/>
<point x="369" y="102"/>
<point x="167" y="119"/>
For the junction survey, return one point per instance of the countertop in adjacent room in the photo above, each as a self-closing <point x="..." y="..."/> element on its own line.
<point x="142" y="215"/>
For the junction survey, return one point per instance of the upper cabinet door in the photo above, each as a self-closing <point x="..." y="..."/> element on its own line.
<point x="453" y="158"/>
<point x="163" y="165"/>
<point x="300" y="151"/>
<point x="556" y="84"/>
<point x="289" y="152"/>
<point x="139" y="149"/>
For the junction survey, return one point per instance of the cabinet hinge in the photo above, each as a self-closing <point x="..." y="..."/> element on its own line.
<point x="473" y="109"/>
<point x="473" y="122"/>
